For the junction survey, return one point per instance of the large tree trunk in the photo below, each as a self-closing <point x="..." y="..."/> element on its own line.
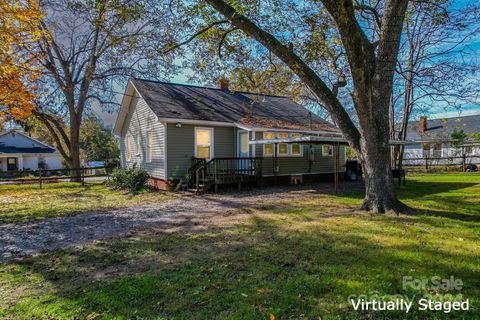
<point x="375" y="152"/>
<point x="75" y="148"/>
<point x="372" y="67"/>
<point x="379" y="187"/>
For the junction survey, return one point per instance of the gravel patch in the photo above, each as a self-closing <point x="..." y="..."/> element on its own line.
<point x="186" y="212"/>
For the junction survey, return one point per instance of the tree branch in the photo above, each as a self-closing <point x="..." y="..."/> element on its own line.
<point x="196" y="34"/>
<point x="360" y="52"/>
<point x="222" y="40"/>
<point x="46" y="121"/>
<point x="370" y="9"/>
<point x="294" y="62"/>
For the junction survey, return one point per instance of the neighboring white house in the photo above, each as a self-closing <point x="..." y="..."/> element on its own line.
<point x="21" y="152"/>
<point x="434" y="137"/>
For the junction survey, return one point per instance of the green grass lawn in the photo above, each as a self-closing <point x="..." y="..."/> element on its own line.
<point x="27" y="202"/>
<point x="297" y="259"/>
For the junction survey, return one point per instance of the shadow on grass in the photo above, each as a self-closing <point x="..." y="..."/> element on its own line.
<point x="415" y="189"/>
<point x="449" y="215"/>
<point x="244" y="272"/>
<point x="306" y="188"/>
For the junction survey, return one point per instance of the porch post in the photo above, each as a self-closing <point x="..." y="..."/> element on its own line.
<point x="335" y="166"/>
<point x="275" y="160"/>
<point x="253" y="146"/>
<point x="20" y="162"/>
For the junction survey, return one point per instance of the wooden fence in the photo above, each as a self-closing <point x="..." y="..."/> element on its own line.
<point x="435" y="164"/>
<point x="42" y="176"/>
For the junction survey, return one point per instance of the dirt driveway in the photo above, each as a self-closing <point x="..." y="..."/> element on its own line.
<point x="194" y="212"/>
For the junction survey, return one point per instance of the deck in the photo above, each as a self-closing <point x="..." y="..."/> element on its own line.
<point x="218" y="171"/>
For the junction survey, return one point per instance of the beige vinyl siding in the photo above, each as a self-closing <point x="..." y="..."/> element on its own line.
<point x="181" y="149"/>
<point x="139" y="121"/>
<point x="296" y="164"/>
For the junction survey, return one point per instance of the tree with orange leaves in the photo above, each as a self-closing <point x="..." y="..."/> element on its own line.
<point x="19" y="31"/>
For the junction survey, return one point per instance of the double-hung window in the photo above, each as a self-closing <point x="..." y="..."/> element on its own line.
<point x="138" y="144"/>
<point x="204" y="143"/>
<point x="296" y="147"/>
<point x="327" y="150"/>
<point x="437" y="150"/>
<point x="42" y="164"/>
<point x="426" y="149"/>
<point x="282" y="147"/>
<point x="149" y="146"/>
<point x="129" y="147"/>
<point x="268" y="148"/>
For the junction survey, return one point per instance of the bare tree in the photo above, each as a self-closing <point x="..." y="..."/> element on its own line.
<point x="435" y="65"/>
<point x="90" y="49"/>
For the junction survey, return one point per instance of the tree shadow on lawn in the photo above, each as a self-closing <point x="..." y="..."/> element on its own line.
<point x="443" y="199"/>
<point x="415" y="189"/>
<point x="246" y="272"/>
<point x="450" y="215"/>
<point x="451" y="199"/>
<point x="315" y="188"/>
<point x="449" y="195"/>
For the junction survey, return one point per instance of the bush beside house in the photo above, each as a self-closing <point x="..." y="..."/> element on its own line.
<point x="131" y="179"/>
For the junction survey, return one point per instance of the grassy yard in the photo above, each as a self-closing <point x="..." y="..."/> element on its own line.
<point x="299" y="259"/>
<point x="27" y="202"/>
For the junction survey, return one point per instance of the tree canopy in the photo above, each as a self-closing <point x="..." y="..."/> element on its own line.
<point x="328" y="45"/>
<point x="98" y="143"/>
<point x="19" y="74"/>
<point x="91" y="49"/>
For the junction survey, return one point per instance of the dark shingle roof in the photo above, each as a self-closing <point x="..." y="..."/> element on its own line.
<point x="441" y="129"/>
<point x="170" y="100"/>
<point x="10" y="149"/>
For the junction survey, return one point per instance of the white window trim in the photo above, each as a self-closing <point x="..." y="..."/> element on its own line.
<point x="296" y="155"/>
<point x="165" y="154"/>
<point x="289" y="146"/>
<point x="327" y="154"/>
<point x="212" y="141"/>
<point x="138" y="144"/>
<point x="263" y="136"/>
<point x="441" y="149"/>
<point x="239" y="133"/>
<point x="128" y="146"/>
<point x="277" y="136"/>
<point x="148" y="147"/>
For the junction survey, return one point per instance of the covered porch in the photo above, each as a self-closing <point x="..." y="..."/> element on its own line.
<point x="290" y="159"/>
<point x="327" y="140"/>
<point x="11" y="162"/>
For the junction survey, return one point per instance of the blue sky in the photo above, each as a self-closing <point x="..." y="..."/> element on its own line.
<point x="439" y="111"/>
<point x="473" y="44"/>
<point x="435" y="112"/>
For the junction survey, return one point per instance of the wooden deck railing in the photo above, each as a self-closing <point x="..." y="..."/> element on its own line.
<point x="227" y="171"/>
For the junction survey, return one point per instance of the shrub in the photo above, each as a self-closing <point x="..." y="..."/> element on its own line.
<point x="132" y="179"/>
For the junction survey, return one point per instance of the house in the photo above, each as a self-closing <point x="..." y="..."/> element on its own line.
<point x="178" y="131"/>
<point x="21" y="152"/>
<point x="435" y="137"/>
